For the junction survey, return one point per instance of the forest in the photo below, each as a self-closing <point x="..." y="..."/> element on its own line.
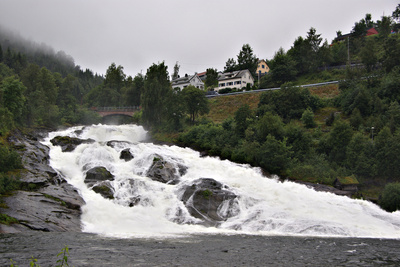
<point x="359" y="138"/>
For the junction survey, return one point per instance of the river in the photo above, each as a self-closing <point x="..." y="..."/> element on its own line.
<point x="270" y="222"/>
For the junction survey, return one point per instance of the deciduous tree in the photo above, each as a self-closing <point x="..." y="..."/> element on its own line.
<point x="195" y="101"/>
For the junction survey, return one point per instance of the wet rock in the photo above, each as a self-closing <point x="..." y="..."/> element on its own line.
<point x="126" y="155"/>
<point x="114" y="143"/>
<point x="51" y="204"/>
<point x="69" y="144"/>
<point x="105" y="189"/>
<point x="97" y="174"/>
<point x="164" y="171"/>
<point x="134" y="201"/>
<point x="209" y="200"/>
<point x="37" y="211"/>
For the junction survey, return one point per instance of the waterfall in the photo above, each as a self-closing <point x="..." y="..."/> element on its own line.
<point x="251" y="203"/>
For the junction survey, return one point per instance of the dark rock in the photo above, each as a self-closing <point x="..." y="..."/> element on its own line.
<point x="325" y="188"/>
<point x="69" y="144"/>
<point x="38" y="211"/>
<point x="105" y="189"/>
<point x="204" y="200"/>
<point x="126" y="155"/>
<point x="114" y="143"/>
<point x="134" y="201"/>
<point x="97" y="174"/>
<point x="54" y="205"/>
<point x="165" y="172"/>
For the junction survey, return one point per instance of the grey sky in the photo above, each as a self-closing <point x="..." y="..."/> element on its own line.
<point x="197" y="34"/>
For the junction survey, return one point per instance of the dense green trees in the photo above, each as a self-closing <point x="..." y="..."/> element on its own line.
<point x="391" y="197"/>
<point x="212" y="78"/>
<point x="245" y="60"/>
<point x="155" y="93"/>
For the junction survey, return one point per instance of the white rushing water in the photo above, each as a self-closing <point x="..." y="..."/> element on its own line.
<point x="264" y="206"/>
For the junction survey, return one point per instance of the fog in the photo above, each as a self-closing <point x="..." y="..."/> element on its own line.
<point x="197" y="34"/>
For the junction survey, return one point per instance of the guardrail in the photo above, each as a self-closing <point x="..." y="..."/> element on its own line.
<point x="116" y="108"/>
<point x="271" y="89"/>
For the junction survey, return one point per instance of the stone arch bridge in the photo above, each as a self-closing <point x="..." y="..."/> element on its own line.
<point x="111" y="111"/>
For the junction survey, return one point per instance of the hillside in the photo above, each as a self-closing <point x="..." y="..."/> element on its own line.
<point x="224" y="107"/>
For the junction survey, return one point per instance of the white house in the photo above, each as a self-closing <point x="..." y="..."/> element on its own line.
<point x="187" y="80"/>
<point x="235" y="79"/>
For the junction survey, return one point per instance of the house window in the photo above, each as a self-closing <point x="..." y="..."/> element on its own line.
<point x="221" y="84"/>
<point x="263" y="66"/>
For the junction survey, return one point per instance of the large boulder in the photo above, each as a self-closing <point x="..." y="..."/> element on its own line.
<point x="165" y="172"/>
<point x="69" y="144"/>
<point x="51" y="204"/>
<point x="209" y="200"/>
<point x="126" y="155"/>
<point x="98" y="174"/>
<point x="105" y="189"/>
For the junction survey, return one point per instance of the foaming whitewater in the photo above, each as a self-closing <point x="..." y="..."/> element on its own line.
<point x="264" y="206"/>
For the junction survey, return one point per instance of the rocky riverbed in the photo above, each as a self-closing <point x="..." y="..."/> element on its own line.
<point x="50" y="204"/>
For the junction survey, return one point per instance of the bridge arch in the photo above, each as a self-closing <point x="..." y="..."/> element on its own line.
<point x="112" y="111"/>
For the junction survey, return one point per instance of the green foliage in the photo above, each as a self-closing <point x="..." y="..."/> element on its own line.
<point x="273" y="155"/>
<point x="242" y="119"/>
<point x="9" y="159"/>
<point x="316" y="169"/>
<point x="7" y="220"/>
<point x="12" y="96"/>
<point x="195" y="101"/>
<point x="390" y="200"/>
<point x="230" y="65"/>
<point x="337" y="141"/>
<point x="156" y="89"/>
<point x="8" y="183"/>
<point x="290" y="102"/>
<point x="308" y="118"/>
<point x="283" y="69"/>
<point x="61" y="262"/>
<point x="212" y="78"/>
<point x="247" y="60"/>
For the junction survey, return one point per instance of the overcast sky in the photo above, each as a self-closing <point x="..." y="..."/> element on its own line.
<point x="198" y="34"/>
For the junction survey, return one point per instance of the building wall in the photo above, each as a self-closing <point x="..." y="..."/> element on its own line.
<point x="262" y="67"/>
<point x="238" y="82"/>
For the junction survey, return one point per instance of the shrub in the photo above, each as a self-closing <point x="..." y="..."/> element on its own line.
<point x="390" y="200"/>
<point x="8" y="184"/>
<point x="308" y="118"/>
<point x="9" y="160"/>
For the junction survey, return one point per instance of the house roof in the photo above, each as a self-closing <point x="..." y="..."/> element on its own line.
<point x="372" y="31"/>
<point x="233" y="75"/>
<point x="183" y="80"/>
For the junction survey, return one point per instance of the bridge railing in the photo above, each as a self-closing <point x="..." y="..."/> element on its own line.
<point x="131" y="108"/>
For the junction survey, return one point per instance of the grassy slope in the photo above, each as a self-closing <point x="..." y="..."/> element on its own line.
<point x="223" y="107"/>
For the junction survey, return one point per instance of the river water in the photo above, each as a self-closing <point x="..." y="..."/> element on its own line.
<point x="271" y="223"/>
